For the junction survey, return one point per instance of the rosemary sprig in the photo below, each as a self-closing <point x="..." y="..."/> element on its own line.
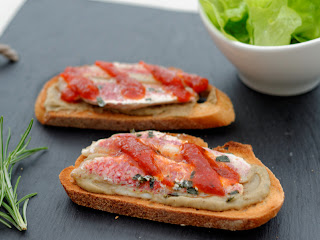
<point x="8" y="194"/>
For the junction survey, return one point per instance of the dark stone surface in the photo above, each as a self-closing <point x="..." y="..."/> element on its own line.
<point x="50" y="35"/>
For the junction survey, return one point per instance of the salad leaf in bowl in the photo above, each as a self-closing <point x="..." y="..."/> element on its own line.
<point x="265" y="22"/>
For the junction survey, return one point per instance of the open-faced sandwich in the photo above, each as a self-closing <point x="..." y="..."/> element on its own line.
<point x="120" y="97"/>
<point x="175" y="178"/>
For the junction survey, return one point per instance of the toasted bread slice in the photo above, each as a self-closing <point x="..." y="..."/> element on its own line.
<point x="202" y="115"/>
<point x="246" y="218"/>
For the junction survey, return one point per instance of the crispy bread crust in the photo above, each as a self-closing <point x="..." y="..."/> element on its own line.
<point x="203" y="115"/>
<point x="247" y="218"/>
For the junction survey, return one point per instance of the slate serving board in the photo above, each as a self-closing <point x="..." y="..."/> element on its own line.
<point x="50" y="35"/>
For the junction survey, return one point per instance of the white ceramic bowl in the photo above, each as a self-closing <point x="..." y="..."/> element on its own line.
<point x="276" y="70"/>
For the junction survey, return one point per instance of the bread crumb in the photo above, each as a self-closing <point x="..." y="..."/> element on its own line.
<point x="21" y="169"/>
<point x="116" y="217"/>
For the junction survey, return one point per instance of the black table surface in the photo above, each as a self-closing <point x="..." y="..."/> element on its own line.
<point x="50" y="35"/>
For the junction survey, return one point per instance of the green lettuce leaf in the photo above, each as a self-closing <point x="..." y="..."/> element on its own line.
<point x="228" y="16"/>
<point x="272" y="22"/>
<point x="265" y="22"/>
<point x="309" y="11"/>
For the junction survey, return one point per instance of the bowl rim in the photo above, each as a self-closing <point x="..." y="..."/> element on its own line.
<point x="238" y="44"/>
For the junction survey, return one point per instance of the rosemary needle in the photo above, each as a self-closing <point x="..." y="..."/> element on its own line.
<point x="9" y="202"/>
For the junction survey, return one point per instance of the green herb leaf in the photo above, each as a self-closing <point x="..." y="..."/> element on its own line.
<point x="148" y="177"/>
<point x="174" y="194"/>
<point x="192" y="174"/>
<point x="5" y="223"/>
<point x="186" y="184"/>
<point x="152" y="183"/>
<point x="222" y="158"/>
<point x="26" y="197"/>
<point x="8" y="193"/>
<point x="192" y="190"/>
<point x="230" y="199"/>
<point x="144" y="179"/>
<point x="100" y="102"/>
<point x="150" y="134"/>
<point x="234" y="192"/>
<point x="132" y="130"/>
<point x="136" y="177"/>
